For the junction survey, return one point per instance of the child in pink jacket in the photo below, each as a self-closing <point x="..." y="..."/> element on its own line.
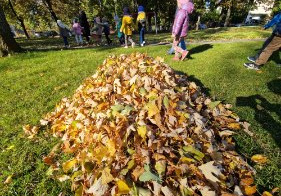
<point x="180" y="27"/>
<point x="77" y="29"/>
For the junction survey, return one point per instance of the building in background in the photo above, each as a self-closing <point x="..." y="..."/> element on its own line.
<point x="262" y="11"/>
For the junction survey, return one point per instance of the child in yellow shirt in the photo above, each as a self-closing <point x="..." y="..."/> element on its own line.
<point x="127" y="27"/>
<point x="141" y="20"/>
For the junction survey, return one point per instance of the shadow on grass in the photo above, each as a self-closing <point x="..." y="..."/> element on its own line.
<point x="264" y="109"/>
<point x="199" y="49"/>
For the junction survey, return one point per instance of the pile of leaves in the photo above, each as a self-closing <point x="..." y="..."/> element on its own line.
<point x="137" y="127"/>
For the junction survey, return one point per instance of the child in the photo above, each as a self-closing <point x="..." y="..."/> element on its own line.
<point x="180" y="27"/>
<point x="141" y="20"/>
<point x="98" y="29"/>
<point x="120" y="35"/>
<point x="106" y="30"/>
<point x="77" y="29"/>
<point x="86" y="26"/>
<point x="64" y="32"/>
<point x="127" y="27"/>
<point x="272" y="44"/>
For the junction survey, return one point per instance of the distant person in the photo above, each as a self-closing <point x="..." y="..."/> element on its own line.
<point x="180" y="27"/>
<point x="106" y="30"/>
<point x="64" y="32"/>
<point x="85" y="24"/>
<point x="272" y="44"/>
<point x="120" y="35"/>
<point x="141" y="20"/>
<point x="77" y="29"/>
<point x="98" y="29"/>
<point x="127" y="27"/>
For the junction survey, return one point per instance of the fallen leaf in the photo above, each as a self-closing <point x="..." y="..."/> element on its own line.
<point x="259" y="159"/>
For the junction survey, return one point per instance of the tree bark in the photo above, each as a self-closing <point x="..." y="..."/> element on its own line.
<point x="227" y="19"/>
<point x="7" y="42"/>
<point x="198" y="23"/>
<point x="19" y="19"/>
<point x="48" y="4"/>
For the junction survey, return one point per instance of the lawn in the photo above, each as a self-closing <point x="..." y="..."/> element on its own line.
<point x="32" y="83"/>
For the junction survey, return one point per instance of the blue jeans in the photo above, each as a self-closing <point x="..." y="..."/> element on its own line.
<point x="182" y="45"/>
<point x="142" y="31"/>
<point x="65" y="41"/>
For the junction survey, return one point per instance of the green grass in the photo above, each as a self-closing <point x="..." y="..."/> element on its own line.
<point x="216" y="34"/>
<point x="32" y="83"/>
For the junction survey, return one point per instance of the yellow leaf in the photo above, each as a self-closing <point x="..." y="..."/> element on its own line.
<point x="265" y="193"/>
<point x="111" y="147"/>
<point x="8" y="179"/>
<point x="142" y="130"/>
<point x="106" y="176"/>
<point x="250" y="190"/>
<point x="123" y="188"/>
<point x="260" y="159"/>
<point x="152" y="109"/>
<point x="234" y="126"/>
<point x="68" y="165"/>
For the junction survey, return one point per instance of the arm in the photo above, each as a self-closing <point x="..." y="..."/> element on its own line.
<point x="273" y="22"/>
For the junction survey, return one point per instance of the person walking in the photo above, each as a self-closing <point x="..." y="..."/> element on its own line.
<point x="272" y="44"/>
<point x="77" y="29"/>
<point x="120" y="35"/>
<point x="106" y="30"/>
<point x="180" y="27"/>
<point x="85" y="24"/>
<point x="64" y="32"/>
<point x="127" y="27"/>
<point x="141" y="23"/>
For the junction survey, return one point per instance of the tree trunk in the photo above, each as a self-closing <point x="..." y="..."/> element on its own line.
<point x="198" y="23"/>
<point x="7" y="42"/>
<point x="227" y="19"/>
<point x="19" y="19"/>
<point x="50" y="8"/>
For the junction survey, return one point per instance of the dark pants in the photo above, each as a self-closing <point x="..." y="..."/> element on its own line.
<point x="65" y="41"/>
<point x="273" y="45"/>
<point x="122" y="40"/>
<point x="109" y="41"/>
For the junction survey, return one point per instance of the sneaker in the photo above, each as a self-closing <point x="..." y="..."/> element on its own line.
<point x="184" y="54"/>
<point x="252" y="59"/>
<point x="126" y="47"/>
<point x="252" y="66"/>
<point x="133" y="44"/>
<point x="143" y="42"/>
<point x="142" y="45"/>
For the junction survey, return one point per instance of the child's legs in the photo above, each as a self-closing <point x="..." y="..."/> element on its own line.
<point x="65" y="41"/>
<point x="178" y="49"/>
<point x="182" y="44"/>
<point x="126" y="40"/>
<point x="141" y="35"/>
<point x="130" y="39"/>
<point x="77" y="39"/>
<point x="80" y="39"/>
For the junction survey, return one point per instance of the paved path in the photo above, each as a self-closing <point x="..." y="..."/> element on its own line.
<point x="213" y="42"/>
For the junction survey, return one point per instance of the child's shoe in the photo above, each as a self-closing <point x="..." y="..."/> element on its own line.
<point x="252" y="59"/>
<point x="133" y="44"/>
<point x="252" y="66"/>
<point x="176" y="58"/>
<point x="184" y="54"/>
<point x="126" y="47"/>
<point x="142" y="45"/>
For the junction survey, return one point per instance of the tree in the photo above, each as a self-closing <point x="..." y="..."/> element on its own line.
<point x="20" y="19"/>
<point x="7" y="41"/>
